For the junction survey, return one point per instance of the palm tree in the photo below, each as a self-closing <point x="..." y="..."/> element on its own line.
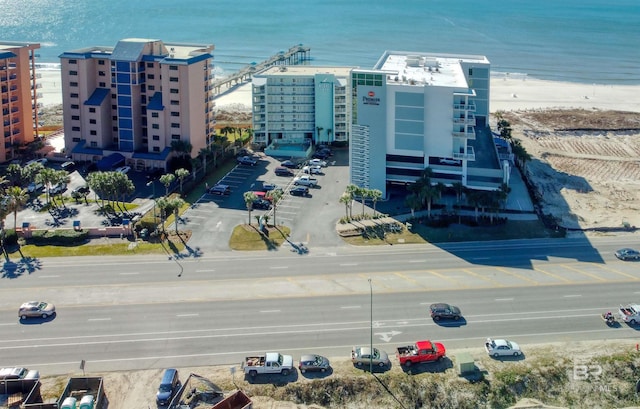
<point x="274" y="195"/>
<point x="351" y="191"/>
<point x="413" y="202"/>
<point x="14" y="173"/>
<point x="319" y="129"/>
<point x="459" y="188"/>
<point x="375" y="195"/>
<point x="204" y="154"/>
<point x="47" y="177"/>
<point x="167" y="180"/>
<point x="18" y="197"/>
<point x="163" y="204"/>
<point x="249" y="198"/>
<point x="176" y="203"/>
<point x="181" y="174"/>
<point x="329" y="132"/>
<point x="346" y="199"/>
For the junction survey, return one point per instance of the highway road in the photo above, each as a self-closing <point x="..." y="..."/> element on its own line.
<point x="124" y="313"/>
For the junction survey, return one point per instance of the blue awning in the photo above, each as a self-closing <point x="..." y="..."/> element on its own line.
<point x="109" y="162"/>
<point x="97" y="97"/>
<point x="155" y="103"/>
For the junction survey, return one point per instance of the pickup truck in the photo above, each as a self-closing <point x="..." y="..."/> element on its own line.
<point x="269" y="363"/>
<point x="305" y="180"/>
<point x="630" y="313"/>
<point x="421" y="351"/>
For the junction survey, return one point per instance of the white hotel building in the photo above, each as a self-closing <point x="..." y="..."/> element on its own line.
<point x="419" y="110"/>
<point x="301" y="104"/>
<point x="133" y="100"/>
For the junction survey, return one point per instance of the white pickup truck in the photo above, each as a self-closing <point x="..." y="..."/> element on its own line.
<point x="630" y="313"/>
<point x="305" y="180"/>
<point x="269" y="363"/>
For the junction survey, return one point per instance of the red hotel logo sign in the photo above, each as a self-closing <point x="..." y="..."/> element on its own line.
<point x="370" y="99"/>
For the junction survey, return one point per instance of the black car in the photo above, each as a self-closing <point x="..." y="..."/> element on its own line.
<point x="313" y="363"/>
<point x="321" y="155"/>
<point x="247" y="160"/>
<point x="299" y="191"/>
<point x="282" y="171"/>
<point x="290" y="164"/>
<point x="261" y="204"/>
<point x="442" y="310"/>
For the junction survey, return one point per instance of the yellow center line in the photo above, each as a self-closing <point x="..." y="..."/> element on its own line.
<point x="595" y="277"/>
<point x="444" y="277"/>
<point x="552" y="275"/>
<point x="517" y="276"/>
<point x="409" y="279"/>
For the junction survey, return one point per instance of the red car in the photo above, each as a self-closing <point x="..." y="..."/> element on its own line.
<point x="421" y="351"/>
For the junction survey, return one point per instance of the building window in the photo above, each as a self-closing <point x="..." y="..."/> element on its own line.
<point x="173" y="67"/>
<point x="113" y="96"/>
<point x="175" y="137"/>
<point x="92" y="121"/>
<point x="100" y="62"/>
<point x="114" y="129"/>
<point x="93" y="133"/>
<point x="102" y="85"/>
<point x="73" y="72"/>
<point x="114" y="118"/>
<point x="156" y="149"/>
<point x="175" y="114"/>
<point x="75" y="106"/>
<point x="174" y="102"/>
<point x="149" y="65"/>
<point x="73" y="61"/>
<point x="114" y="106"/>
<point x="75" y="117"/>
<point x="75" y="139"/>
<point x="92" y="110"/>
<point x="175" y="125"/>
<point x="471" y="72"/>
<point x="154" y="115"/>
<point x="151" y="76"/>
<point x="94" y="144"/>
<point x="145" y="141"/>
<point x="155" y="126"/>
<point x="75" y="128"/>
<point x="156" y="137"/>
<point x="143" y="99"/>
<point x="73" y="84"/>
<point x="173" y="79"/>
<point x="173" y="90"/>
<point x="151" y="87"/>
<point x="74" y="95"/>
<point x="101" y="74"/>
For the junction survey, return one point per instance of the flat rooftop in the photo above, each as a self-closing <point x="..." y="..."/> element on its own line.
<point x="305" y="70"/>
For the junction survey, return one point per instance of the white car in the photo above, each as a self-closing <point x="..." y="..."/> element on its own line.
<point x="501" y="347"/>
<point x="446" y="161"/>
<point x="42" y="161"/>
<point x="312" y="170"/>
<point x="318" y="162"/>
<point x="123" y="169"/>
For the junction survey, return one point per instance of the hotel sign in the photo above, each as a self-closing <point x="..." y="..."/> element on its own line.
<point x="370" y="99"/>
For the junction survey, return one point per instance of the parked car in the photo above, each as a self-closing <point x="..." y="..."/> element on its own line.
<point x="628" y="254"/>
<point x="13" y="373"/>
<point x="123" y="169"/>
<point x="34" y="187"/>
<point x="282" y="171"/>
<point x="501" y="347"/>
<point x="441" y="310"/>
<point x="362" y="356"/>
<point x="247" y="160"/>
<point x="32" y="309"/>
<point x="318" y="162"/>
<point x="290" y="164"/>
<point x="169" y="385"/>
<point x="313" y="363"/>
<point x="262" y="204"/>
<point x="312" y="170"/>
<point x="268" y="186"/>
<point x="220" y="189"/>
<point x="447" y="161"/>
<point x="42" y="161"/>
<point x="321" y="155"/>
<point x="58" y="188"/>
<point x="299" y="191"/>
<point x="68" y="166"/>
<point x="79" y="191"/>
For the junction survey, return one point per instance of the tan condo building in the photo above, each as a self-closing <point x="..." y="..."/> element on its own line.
<point x="18" y="96"/>
<point x="131" y="103"/>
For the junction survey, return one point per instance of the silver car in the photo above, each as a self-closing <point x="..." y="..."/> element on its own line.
<point x="36" y="309"/>
<point x="313" y="363"/>
<point x="362" y="356"/>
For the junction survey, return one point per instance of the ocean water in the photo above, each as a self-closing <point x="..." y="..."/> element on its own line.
<point x="586" y="41"/>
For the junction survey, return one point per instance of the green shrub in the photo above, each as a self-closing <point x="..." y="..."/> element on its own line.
<point x="58" y="237"/>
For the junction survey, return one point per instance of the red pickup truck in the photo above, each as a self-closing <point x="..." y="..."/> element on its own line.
<point x="422" y="351"/>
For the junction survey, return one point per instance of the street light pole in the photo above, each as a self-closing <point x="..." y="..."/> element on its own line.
<point x="371" y="328"/>
<point x="153" y="186"/>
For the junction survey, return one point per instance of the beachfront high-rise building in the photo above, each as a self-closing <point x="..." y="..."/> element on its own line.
<point x="135" y="101"/>
<point x="18" y="96"/>
<point x="301" y="104"/>
<point x="418" y="110"/>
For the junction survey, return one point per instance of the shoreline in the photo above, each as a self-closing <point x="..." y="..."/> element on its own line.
<point x="509" y="92"/>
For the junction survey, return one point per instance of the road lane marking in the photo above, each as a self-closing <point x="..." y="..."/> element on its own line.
<point x="604" y="267"/>
<point x="595" y="277"/>
<point x="551" y="275"/>
<point x="129" y="274"/>
<point x="572" y="295"/>
<point x="417" y="261"/>
<point x="205" y="271"/>
<point x="278" y="268"/>
<point x="444" y="277"/>
<point x="349" y="307"/>
<point x="269" y="311"/>
<point x="474" y="274"/>
<point x="521" y="277"/>
<point x="99" y="319"/>
<point x="188" y="315"/>
<point x="50" y="276"/>
<point x="503" y="299"/>
<point x="348" y="264"/>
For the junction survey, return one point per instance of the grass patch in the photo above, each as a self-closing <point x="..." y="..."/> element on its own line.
<point x="115" y="248"/>
<point x="247" y="237"/>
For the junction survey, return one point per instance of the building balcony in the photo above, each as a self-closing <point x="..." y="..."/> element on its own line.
<point x="470" y="155"/>
<point x="465" y="121"/>
<point x="465" y="107"/>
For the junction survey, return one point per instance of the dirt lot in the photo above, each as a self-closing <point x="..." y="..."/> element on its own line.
<point x="585" y="164"/>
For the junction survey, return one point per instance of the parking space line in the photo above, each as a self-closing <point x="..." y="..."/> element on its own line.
<point x="557" y="277"/>
<point x="521" y="277"/>
<point x="604" y="267"/>
<point x="595" y="277"/>
<point x="444" y="277"/>
<point x="490" y="280"/>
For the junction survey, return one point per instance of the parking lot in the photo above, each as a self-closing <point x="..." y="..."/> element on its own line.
<point x="311" y="219"/>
